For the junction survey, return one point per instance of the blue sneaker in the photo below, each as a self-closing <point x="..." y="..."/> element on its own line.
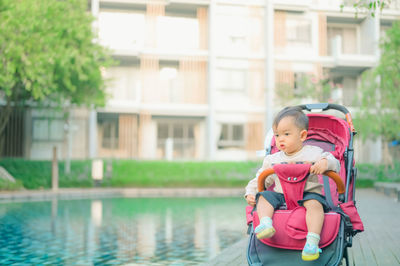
<point x="310" y="252"/>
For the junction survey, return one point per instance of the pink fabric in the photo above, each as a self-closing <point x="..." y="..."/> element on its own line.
<point x="293" y="179"/>
<point x="249" y="216"/>
<point x="336" y="131"/>
<point x="296" y="226"/>
<point x="294" y="238"/>
<point x="350" y="209"/>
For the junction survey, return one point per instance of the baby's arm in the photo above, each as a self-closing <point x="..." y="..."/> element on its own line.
<point x="251" y="191"/>
<point x="251" y="188"/>
<point x="327" y="162"/>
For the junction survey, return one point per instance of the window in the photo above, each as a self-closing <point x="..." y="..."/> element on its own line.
<point x="231" y="79"/>
<point x="109" y="128"/>
<point x="110" y="135"/>
<point x="162" y="131"/>
<point x="238" y="30"/>
<point x="348" y="37"/>
<point x="299" y="85"/>
<point x="298" y="29"/>
<point x="47" y="129"/>
<point x="349" y="90"/>
<point x="169" y="72"/>
<point x="182" y="136"/>
<point x="232" y="136"/>
<point x="237" y="41"/>
<point x="122" y="30"/>
<point x="232" y="33"/>
<point x="124" y="82"/>
<point x="345" y="90"/>
<point x="177" y="33"/>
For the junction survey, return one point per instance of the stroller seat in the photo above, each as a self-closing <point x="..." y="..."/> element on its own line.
<point x="291" y="229"/>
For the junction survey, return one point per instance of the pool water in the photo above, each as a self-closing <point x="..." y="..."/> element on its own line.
<point x="119" y="231"/>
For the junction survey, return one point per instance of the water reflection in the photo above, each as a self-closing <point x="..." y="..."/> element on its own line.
<point x="119" y="231"/>
<point x="97" y="212"/>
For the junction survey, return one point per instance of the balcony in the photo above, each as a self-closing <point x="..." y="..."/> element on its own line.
<point x="346" y="63"/>
<point x="190" y="2"/>
<point x="133" y="33"/>
<point x="392" y="5"/>
<point x="136" y="3"/>
<point x="391" y="11"/>
<point x="334" y="5"/>
<point x="293" y="5"/>
<point x="334" y="8"/>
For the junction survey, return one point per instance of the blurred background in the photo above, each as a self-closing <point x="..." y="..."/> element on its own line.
<point x="172" y="94"/>
<point x="202" y="79"/>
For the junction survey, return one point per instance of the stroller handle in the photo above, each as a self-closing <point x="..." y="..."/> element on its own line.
<point x="324" y="107"/>
<point x="327" y="106"/>
<point x="331" y="174"/>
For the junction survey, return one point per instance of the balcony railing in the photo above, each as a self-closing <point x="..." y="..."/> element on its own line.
<point x="337" y="4"/>
<point x="352" y="60"/>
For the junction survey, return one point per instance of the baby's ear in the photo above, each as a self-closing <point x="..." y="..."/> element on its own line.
<point x="303" y="135"/>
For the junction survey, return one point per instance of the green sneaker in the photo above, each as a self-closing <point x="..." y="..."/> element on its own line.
<point x="263" y="231"/>
<point x="266" y="233"/>
<point x="310" y="252"/>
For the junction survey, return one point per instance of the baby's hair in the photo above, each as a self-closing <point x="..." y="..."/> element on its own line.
<point x="300" y="118"/>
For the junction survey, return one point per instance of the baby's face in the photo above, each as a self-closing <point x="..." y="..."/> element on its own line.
<point x="288" y="137"/>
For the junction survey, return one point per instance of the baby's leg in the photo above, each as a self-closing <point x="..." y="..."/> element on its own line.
<point x="314" y="220"/>
<point x="314" y="216"/>
<point x="265" y="210"/>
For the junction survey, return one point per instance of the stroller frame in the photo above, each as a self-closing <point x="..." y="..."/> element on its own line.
<point x="344" y="238"/>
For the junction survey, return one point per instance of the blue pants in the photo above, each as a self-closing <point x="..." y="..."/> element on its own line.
<point x="278" y="199"/>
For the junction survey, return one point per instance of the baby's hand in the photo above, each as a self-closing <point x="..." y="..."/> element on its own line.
<point x="251" y="200"/>
<point x="319" y="167"/>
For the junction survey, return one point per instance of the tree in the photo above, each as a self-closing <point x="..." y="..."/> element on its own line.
<point x="367" y="6"/>
<point x="48" y="56"/>
<point x="379" y="99"/>
<point x="307" y="88"/>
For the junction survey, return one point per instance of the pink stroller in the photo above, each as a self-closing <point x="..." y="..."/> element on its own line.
<point x="341" y="223"/>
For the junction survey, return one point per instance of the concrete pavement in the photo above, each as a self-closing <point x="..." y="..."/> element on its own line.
<point x="378" y="245"/>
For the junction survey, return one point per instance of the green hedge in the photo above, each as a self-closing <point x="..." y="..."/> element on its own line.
<point x="379" y="172"/>
<point x="182" y="174"/>
<point x="9" y="186"/>
<point x="37" y="174"/>
<point x="133" y="173"/>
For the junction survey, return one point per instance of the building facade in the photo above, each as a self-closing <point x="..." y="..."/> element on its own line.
<point x="202" y="79"/>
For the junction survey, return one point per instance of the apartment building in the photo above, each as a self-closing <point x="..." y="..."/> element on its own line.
<point x="202" y="79"/>
<point x="190" y="81"/>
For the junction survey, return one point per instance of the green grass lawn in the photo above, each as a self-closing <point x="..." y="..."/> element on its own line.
<point x="133" y="173"/>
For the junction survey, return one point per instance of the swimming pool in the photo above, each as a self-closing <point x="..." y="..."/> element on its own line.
<point x="119" y="231"/>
